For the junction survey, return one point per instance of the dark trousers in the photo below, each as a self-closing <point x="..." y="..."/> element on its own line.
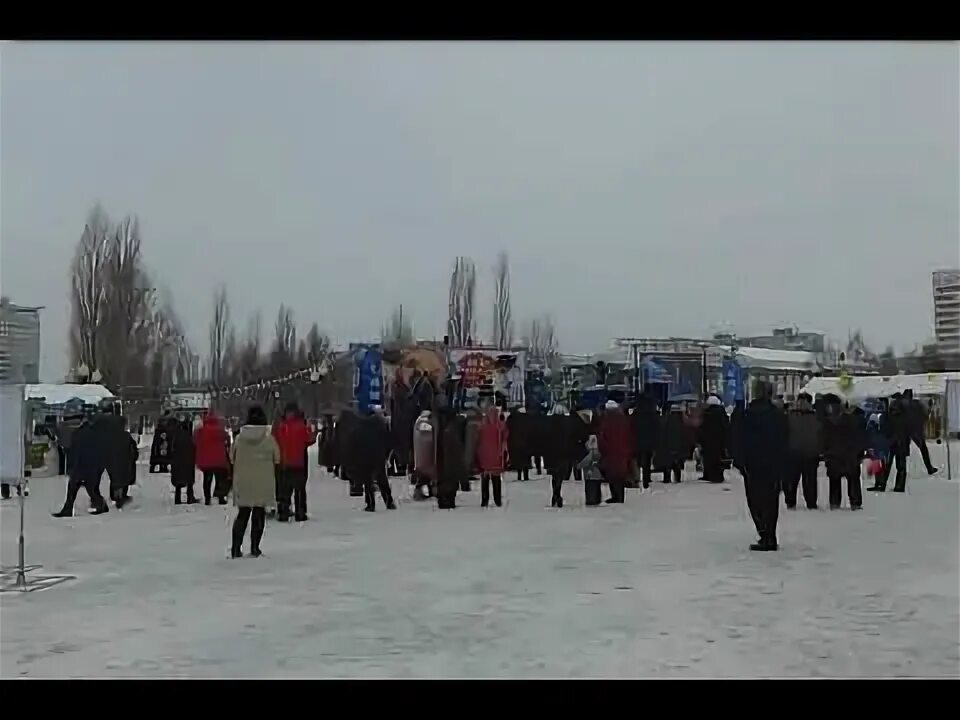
<point x="538" y="463"/>
<point x="921" y="442"/>
<point x="292" y="483"/>
<point x="763" y="500"/>
<point x="645" y="462"/>
<point x="61" y="461"/>
<point x="801" y="470"/>
<point x="851" y="472"/>
<point x="713" y="467"/>
<point x="676" y="470"/>
<point x="617" y="484"/>
<point x="91" y="485"/>
<point x="577" y="474"/>
<point x="219" y="480"/>
<point x="900" y="484"/>
<point x="559" y="475"/>
<point x="486" y="480"/>
<point x="377" y="480"/>
<point x="592" y="492"/>
<point x="523" y="473"/>
<point x="256" y="531"/>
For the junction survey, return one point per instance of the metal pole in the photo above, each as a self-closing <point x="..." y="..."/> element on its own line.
<point x="21" y="568"/>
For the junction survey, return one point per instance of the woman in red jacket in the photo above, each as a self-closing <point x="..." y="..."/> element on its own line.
<point x="491" y="455"/>
<point x="616" y="450"/>
<point x="213" y="446"/>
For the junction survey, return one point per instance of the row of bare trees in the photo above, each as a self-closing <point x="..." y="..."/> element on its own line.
<point x="235" y="362"/>
<point x="119" y="325"/>
<point x="539" y="333"/>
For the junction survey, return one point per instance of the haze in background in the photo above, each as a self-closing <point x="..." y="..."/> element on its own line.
<point x="639" y="188"/>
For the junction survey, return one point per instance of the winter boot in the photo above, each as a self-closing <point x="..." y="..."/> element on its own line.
<point x="191" y="498"/>
<point x="178" y="497"/>
<point x="371" y="505"/>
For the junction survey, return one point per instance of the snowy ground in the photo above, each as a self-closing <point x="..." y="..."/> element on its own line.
<point x="663" y="586"/>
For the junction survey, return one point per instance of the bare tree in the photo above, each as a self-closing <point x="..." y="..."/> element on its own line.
<point x="541" y="341"/>
<point x="502" y="310"/>
<point x="283" y="352"/>
<point x="89" y="291"/>
<point x="318" y="345"/>
<point x="460" y="317"/>
<point x="398" y="329"/>
<point x="220" y="329"/>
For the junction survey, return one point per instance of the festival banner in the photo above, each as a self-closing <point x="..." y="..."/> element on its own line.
<point x="732" y="382"/>
<point x="369" y="383"/>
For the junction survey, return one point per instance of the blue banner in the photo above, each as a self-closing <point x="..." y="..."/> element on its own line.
<point x="368" y="388"/>
<point x="732" y="382"/>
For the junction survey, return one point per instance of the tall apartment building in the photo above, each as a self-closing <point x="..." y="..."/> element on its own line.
<point x="946" y="309"/>
<point x="19" y="343"/>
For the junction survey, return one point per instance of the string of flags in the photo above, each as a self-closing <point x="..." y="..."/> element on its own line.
<point x="314" y="373"/>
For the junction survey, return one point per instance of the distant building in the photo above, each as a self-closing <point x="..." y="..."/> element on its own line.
<point x="788" y="338"/>
<point x="19" y="343"/>
<point x="946" y="309"/>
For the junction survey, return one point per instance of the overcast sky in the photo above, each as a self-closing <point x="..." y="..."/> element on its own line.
<point x="639" y="188"/>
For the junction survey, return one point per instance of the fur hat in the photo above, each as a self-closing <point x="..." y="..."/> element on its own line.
<point x="611" y="405"/>
<point x="713" y="400"/>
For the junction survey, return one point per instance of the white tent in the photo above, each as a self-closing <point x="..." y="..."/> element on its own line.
<point x="877" y="386"/>
<point x="59" y="394"/>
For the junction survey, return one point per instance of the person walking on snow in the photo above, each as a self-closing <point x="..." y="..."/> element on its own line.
<point x="761" y="453"/>
<point x="213" y="449"/>
<point x="916" y="426"/>
<point x="86" y="466"/>
<point x="805" y="432"/>
<point x="293" y="437"/>
<point x="714" y="438"/>
<point x="255" y="457"/>
<point x="843" y="447"/>
<point x="491" y="456"/>
<point x="616" y="450"/>
<point x="183" y="472"/>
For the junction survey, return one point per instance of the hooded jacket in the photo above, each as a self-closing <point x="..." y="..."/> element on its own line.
<point x="293" y="437"/>
<point x="492" y="443"/>
<point x="255" y="455"/>
<point x="714" y="431"/>
<point x="616" y="443"/>
<point x="212" y="444"/>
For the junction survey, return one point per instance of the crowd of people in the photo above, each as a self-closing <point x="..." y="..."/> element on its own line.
<point x="777" y="449"/>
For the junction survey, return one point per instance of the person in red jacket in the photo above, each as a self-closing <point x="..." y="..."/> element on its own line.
<point x="491" y="455"/>
<point x="293" y="436"/>
<point x="212" y="447"/>
<point x="616" y="449"/>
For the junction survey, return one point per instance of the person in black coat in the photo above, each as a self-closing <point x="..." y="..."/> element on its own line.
<point x="761" y="452"/>
<point x="538" y="426"/>
<point x="844" y="442"/>
<point x="115" y="447"/>
<point x="182" y="461"/>
<point x="403" y="415"/>
<point x="344" y="449"/>
<point x="86" y="466"/>
<point x="451" y="465"/>
<point x="646" y="428"/>
<point x="565" y="447"/>
<point x="895" y="426"/>
<point x="714" y="439"/>
<point x="673" y="444"/>
<point x="369" y="448"/>
<point x="916" y="426"/>
<point x="160" y="448"/>
<point x="519" y="442"/>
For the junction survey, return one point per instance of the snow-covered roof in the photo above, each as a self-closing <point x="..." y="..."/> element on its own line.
<point x="877" y="386"/>
<point x="766" y="359"/>
<point x="59" y="394"/>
